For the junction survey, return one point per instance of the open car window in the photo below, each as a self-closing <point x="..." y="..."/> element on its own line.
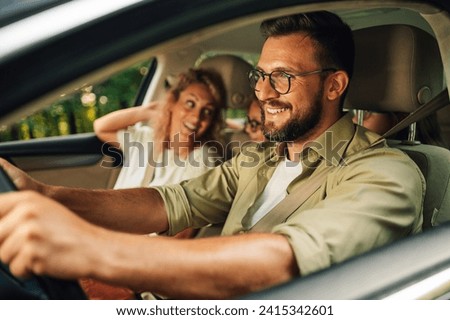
<point x="75" y="111"/>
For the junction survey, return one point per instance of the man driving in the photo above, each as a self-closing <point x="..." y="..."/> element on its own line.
<point x="367" y="194"/>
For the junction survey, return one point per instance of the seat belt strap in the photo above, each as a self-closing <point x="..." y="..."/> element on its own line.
<point x="438" y="102"/>
<point x="290" y="203"/>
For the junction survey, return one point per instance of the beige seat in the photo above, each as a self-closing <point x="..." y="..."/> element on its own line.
<point x="234" y="71"/>
<point x="397" y="69"/>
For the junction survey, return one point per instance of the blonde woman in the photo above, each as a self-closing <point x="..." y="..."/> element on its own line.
<point x="166" y="142"/>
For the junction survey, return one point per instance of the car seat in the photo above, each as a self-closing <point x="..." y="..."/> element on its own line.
<point x="398" y="68"/>
<point x="234" y="71"/>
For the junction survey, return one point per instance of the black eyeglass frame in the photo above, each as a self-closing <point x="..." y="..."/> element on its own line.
<point x="254" y="124"/>
<point x="288" y="76"/>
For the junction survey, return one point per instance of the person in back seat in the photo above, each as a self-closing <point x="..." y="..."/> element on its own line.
<point x="168" y="141"/>
<point x="251" y="130"/>
<point x="321" y="191"/>
<point x="427" y="130"/>
<point x="177" y="138"/>
<point x="379" y="122"/>
<point x="253" y="123"/>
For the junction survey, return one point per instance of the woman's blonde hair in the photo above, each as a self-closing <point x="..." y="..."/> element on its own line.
<point x="213" y="81"/>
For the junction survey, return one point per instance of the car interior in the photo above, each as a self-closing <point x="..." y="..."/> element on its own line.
<point x="399" y="67"/>
<point x="411" y="56"/>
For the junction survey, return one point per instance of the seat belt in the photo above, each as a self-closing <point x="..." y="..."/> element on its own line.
<point x="438" y="102"/>
<point x="290" y="203"/>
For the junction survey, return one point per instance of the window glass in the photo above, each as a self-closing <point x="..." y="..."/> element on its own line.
<point x="76" y="112"/>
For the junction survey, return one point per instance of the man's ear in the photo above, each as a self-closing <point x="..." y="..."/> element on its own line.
<point x="337" y="83"/>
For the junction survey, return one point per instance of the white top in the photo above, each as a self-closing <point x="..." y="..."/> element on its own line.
<point x="275" y="190"/>
<point x="136" y="143"/>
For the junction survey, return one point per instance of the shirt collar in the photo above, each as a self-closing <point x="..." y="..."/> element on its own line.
<point x="336" y="143"/>
<point x="333" y="143"/>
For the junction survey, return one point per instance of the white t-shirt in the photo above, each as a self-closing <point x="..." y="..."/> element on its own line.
<point x="136" y="143"/>
<point x="275" y="190"/>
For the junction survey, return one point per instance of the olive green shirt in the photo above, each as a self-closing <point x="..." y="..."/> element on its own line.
<point x="372" y="195"/>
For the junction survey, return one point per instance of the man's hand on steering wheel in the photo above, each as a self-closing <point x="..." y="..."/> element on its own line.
<point x="30" y="245"/>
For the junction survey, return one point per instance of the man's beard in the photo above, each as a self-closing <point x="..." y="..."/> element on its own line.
<point x="300" y="124"/>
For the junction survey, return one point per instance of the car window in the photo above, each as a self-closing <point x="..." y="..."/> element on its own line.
<point x="75" y="112"/>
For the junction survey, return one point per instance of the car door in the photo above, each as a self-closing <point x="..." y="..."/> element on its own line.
<point x="76" y="160"/>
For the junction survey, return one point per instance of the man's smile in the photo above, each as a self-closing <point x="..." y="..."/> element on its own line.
<point x="272" y="110"/>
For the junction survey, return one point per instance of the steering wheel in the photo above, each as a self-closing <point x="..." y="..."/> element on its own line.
<point x="34" y="287"/>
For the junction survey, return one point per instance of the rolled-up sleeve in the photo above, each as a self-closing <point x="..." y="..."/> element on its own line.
<point x="203" y="200"/>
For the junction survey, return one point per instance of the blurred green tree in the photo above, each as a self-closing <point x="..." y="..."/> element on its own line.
<point x="75" y="113"/>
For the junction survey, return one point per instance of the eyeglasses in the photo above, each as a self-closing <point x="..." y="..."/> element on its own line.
<point x="280" y="81"/>
<point x="254" y="124"/>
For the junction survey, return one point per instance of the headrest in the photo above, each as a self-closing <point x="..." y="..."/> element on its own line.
<point x="234" y="71"/>
<point x="398" y="68"/>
